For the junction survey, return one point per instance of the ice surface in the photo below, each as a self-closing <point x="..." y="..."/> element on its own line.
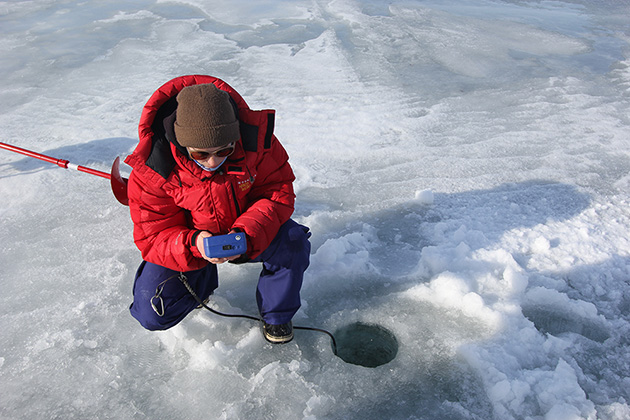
<point x="463" y="167"/>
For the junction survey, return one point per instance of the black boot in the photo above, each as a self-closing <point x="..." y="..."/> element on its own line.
<point x="278" y="334"/>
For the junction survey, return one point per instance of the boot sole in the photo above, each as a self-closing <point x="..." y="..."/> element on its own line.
<point x="277" y="340"/>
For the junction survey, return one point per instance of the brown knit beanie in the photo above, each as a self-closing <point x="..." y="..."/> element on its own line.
<point x="205" y="118"/>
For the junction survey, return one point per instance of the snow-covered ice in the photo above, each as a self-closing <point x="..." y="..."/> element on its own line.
<point x="464" y="168"/>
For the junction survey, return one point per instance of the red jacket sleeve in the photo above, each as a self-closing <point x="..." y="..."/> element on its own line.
<point x="161" y="231"/>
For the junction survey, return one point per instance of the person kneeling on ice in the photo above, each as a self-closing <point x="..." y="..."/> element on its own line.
<point x="208" y="165"/>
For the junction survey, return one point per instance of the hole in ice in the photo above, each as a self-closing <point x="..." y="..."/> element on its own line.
<point x="367" y="345"/>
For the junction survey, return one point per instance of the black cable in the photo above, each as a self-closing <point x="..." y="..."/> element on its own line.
<point x="183" y="279"/>
<point x="329" y="334"/>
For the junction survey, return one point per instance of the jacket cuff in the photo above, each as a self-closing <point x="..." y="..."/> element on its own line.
<point x="193" y="244"/>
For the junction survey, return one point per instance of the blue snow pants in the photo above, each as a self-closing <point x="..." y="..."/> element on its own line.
<point x="160" y="299"/>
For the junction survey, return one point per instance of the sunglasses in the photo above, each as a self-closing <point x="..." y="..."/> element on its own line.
<point x="199" y="155"/>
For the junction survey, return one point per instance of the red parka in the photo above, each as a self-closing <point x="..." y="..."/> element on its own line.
<point x="171" y="199"/>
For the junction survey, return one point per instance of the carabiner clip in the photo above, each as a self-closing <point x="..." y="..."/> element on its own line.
<point x="159" y="308"/>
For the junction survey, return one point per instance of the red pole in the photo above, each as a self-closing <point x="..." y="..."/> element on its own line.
<point x="119" y="184"/>
<point x="60" y="162"/>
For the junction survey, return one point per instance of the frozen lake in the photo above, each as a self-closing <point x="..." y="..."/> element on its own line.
<point x="464" y="169"/>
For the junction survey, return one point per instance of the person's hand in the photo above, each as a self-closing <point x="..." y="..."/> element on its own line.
<point x="199" y="243"/>
<point x="200" y="247"/>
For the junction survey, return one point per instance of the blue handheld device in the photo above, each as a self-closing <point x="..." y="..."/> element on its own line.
<point x="222" y="246"/>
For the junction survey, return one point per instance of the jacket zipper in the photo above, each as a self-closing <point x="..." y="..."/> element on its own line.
<point x="238" y="208"/>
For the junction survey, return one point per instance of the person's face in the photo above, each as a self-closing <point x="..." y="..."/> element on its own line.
<point x="210" y="158"/>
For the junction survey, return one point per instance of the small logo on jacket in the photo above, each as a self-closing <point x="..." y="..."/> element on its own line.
<point x="245" y="185"/>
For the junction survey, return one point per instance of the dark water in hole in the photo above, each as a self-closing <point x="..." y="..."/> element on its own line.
<point x="366" y="345"/>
